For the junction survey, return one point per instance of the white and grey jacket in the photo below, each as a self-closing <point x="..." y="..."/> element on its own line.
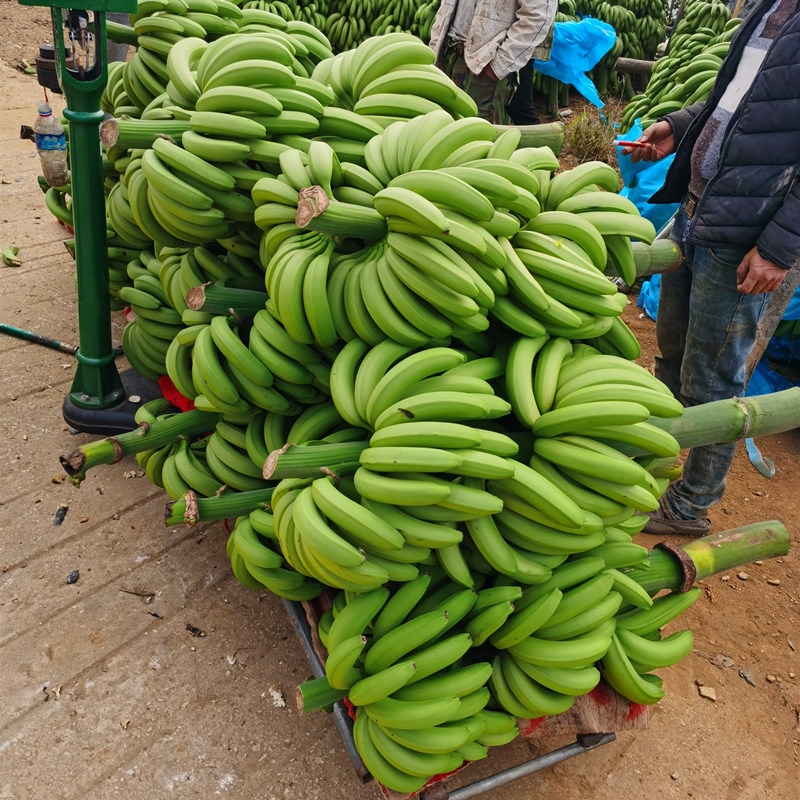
<point x="505" y="34"/>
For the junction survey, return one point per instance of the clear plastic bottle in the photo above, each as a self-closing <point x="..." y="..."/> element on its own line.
<point x="51" y="145"/>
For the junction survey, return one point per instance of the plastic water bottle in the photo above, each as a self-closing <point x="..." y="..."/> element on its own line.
<point x="51" y="144"/>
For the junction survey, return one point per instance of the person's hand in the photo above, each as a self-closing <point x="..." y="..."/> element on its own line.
<point x="490" y="74"/>
<point x="757" y="274"/>
<point x="660" y="142"/>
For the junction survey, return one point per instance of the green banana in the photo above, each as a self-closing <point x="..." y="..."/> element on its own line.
<point x="381" y="684"/>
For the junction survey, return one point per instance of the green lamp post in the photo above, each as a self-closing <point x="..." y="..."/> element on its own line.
<point x="98" y="399"/>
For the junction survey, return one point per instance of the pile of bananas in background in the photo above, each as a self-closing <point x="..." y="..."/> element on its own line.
<point x="790" y="328"/>
<point x="641" y="25"/>
<point x="347" y="23"/>
<point x="685" y="76"/>
<point x="419" y="386"/>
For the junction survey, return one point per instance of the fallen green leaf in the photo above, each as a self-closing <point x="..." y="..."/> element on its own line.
<point x="9" y="256"/>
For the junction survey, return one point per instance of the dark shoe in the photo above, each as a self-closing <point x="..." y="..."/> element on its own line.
<point x="664" y="521"/>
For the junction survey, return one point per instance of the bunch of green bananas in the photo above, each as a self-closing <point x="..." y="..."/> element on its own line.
<point x="347" y="23"/>
<point x="315" y="13"/>
<point x="422" y="662"/>
<point x="685" y="76"/>
<point x="148" y="86"/>
<point x="436" y="387"/>
<point x="446" y="239"/>
<point x="392" y="77"/>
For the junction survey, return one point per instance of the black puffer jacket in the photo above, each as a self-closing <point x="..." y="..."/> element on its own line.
<point x="754" y="198"/>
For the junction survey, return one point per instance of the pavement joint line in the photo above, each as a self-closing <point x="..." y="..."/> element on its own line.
<point x="30" y="393"/>
<point x="37" y="553"/>
<point x="47" y="300"/>
<point x="44" y="242"/>
<point x="95" y="667"/>
<point x="100" y="587"/>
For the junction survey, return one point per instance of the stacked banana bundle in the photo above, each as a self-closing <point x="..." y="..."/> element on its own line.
<point x="349" y="22"/>
<point x="162" y="80"/>
<point x="390" y="77"/>
<point x="439" y="672"/>
<point x="641" y="25"/>
<point x="698" y="46"/>
<point x="417" y="383"/>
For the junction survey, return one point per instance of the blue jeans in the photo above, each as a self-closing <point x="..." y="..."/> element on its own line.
<point x="705" y="329"/>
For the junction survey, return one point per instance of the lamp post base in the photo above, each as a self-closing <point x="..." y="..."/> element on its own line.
<point x="115" y="419"/>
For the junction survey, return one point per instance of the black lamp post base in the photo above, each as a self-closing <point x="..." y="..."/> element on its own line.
<point x="118" y="418"/>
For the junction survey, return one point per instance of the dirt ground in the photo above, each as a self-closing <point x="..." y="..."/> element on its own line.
<point x="105" y="693"/>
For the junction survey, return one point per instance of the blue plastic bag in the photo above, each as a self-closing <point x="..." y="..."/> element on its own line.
<point x="648" y="296"/>
<point x="577" y="47"/>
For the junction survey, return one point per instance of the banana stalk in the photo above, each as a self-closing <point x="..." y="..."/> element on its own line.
<point x="225" y="300"/>
<point x="124" y="34"/>
<point x="316" y="212"/>
<point x="114" y="448"/>
<point x="678" y="568"/>
<point x="728" y="420"/>
<point x="131" y="133"/>
<point x="662" y="255"/>
<point x="308" y="461"/>
<point x="316" y="694"/>
<point x="208" y="509"/>
<point x="550" y="134"/>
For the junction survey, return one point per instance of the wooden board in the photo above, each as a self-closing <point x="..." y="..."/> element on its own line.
<point x="601" y="711"/>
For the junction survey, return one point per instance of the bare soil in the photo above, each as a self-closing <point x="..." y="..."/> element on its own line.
<point x="106" y="694"/>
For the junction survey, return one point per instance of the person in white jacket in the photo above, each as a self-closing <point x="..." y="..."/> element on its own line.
<point x="482" y="44"/>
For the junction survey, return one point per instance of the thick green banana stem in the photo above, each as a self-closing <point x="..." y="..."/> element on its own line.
<point x="316" y="694"/>
<point x="678" y="568"/>
<point x="130" y="133"/>
<point x="114" y="448"/>
<point x="550" y="134"/>
<point x="662" y="255"/>
<point x="738" y="418"/>
<point x="225" y="300"/>
<point x="317" y="212"/>
<point x="308" y="461"/>
<point x="191" y="509"/>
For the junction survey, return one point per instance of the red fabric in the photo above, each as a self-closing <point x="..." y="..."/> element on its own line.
<point x="173" y="395"/>
<point x="532" y="725"/>
<point x="636" y="710"/>
<point x="601" y="694"/>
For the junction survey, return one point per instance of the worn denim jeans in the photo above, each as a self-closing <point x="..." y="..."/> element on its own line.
<point x="706" y="329"/>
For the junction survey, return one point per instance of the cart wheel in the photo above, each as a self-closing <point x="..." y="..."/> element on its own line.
<point x="438" y="791"/>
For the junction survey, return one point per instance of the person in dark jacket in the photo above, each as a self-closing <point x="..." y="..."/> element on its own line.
<point x="735" y="172"/>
